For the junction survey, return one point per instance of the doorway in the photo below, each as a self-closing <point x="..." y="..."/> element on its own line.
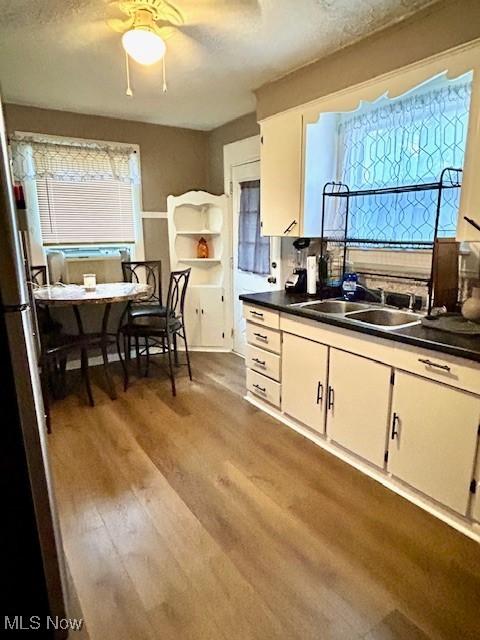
<point x="256" y="260"/>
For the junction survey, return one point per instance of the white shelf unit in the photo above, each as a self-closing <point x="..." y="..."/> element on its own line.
<point x="191" y="216"/>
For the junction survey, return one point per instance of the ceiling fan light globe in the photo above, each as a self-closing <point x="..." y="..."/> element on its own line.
<point x="143" y="45"/>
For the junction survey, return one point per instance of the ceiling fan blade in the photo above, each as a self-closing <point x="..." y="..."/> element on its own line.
<point x="120" y="25"/>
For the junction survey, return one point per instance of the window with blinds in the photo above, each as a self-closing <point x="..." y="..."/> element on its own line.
<point x="90" y="211"/>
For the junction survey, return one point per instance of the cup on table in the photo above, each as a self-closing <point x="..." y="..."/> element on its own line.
<point x="89" y="281"/>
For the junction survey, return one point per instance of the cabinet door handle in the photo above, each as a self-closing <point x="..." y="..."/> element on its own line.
<point x="290" y="226"/>
<point x="257" y="314"/>
<point x="429" y="363"/>
<point x="331" y="398"/>
<point x="262" y="389"/>
<point x="395" y="421"/>
<point x="319" y="393"/>
<point x="261" y="337"/>
<point x="259" y="362"/>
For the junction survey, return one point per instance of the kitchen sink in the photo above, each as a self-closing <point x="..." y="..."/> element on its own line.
<point x="333" y="306"/>
<point x="385" y="318"/>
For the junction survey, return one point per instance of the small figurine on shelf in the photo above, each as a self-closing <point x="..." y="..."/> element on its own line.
<point x="202" y="248"/>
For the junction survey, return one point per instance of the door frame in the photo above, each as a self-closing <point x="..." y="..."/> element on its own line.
<point x="235" y="154"/>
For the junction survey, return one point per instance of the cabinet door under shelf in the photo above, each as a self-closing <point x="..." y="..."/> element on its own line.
<point x="212" y="316"/>
<point x="304" y="380"/>
<point x="358" y="405"/>
<point x="434" y="439"/>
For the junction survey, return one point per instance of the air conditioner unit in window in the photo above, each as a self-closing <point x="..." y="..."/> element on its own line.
<point x="104" y="261"/>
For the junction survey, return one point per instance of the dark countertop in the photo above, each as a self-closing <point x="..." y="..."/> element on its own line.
<point x="460" y="346"/>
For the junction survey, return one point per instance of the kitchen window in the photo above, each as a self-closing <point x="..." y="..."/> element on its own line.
<point x="402" y="141"/>
<point x="79" y="192"/>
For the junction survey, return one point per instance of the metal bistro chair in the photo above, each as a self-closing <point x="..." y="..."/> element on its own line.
<point x="146" y="272"/>
<point x="38" y="275"/>
<point x="158" y="331"/>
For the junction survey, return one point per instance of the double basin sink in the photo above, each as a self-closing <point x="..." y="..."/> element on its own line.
<point x="373" y="315"/>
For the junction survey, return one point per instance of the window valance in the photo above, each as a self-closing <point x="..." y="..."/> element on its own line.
<point x="36" y="158"/>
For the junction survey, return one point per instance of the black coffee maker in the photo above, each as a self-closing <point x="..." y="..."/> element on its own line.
<point x="297" y="280"/>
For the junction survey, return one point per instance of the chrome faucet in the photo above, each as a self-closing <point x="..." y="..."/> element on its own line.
<point x="380" y="296"/>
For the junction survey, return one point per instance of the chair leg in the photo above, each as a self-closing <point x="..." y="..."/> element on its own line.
<point x="137" y="354"/>
<point x="147" y="353"/>
<point x="125" y="359"/>
<point x="187" y="353"/>
<point x="175" y="350"/>
<point x="170" y="365"/>
<point x="106" y="369"/>
<point x="86" y="376"/>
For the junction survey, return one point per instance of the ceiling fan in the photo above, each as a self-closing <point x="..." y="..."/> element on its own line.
<point x="146" y="27"/>
<point x="148" y="23"/>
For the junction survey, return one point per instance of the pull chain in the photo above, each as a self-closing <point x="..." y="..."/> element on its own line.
<point x="129" y="91"/>
<point x="164" y="88"/>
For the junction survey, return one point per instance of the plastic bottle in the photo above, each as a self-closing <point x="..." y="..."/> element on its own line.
<point x="349" y="285"/>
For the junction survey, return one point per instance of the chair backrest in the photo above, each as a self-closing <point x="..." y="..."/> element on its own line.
<point x="38" y="275"/>
<point x="177" y="290"/>
<point x="146" y="272"/>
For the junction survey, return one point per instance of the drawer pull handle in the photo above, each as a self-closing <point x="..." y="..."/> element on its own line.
<point x="261" y="337"/>
<point x="257" y="314"/>
<point x="319" y="393"/>
<point x="395" y="421"/>
<point x="429" y="363"/>
<point x="259" y="362"/>
<point x="331" y="398"/>
<point x="262" y="389"/>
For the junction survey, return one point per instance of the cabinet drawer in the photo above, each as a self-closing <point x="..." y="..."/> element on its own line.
<point x="263" y="387"/>
<point x="263" y="361"/>
<point x="439" y="367"/>
<point x="267" y="317"/>
<point x="263" y="337"/>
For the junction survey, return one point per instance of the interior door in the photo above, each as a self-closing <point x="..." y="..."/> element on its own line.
<point x="247" y="281"/>
<point x="304" y="380"/>
<point x="358" y="405"/>
<point x="434" y="439"/>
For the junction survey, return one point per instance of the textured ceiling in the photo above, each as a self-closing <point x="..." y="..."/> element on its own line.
<point x="61" y="54"/>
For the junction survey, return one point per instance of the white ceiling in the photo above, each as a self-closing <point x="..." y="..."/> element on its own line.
<point x="61" y="54"/>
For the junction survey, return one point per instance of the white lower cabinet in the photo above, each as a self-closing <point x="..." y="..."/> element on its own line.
<point x="304" y="380"/>
<point x="358" y="404"/>
<point x="204" y="317"/>
<point x="434" y="439"/>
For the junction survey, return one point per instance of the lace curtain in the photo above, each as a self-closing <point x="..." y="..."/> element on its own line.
<point x="253" y="249"/>
<point x="404" y="141"/>
<point x="35" y="158"/>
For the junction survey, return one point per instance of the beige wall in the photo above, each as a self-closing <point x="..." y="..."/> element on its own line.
<point x="173" y="160"/>
<point x="442" y="26"/>
<point x="238" y="129"/>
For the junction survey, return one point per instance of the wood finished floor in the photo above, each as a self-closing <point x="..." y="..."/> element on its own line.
<point x="202" y="518"/>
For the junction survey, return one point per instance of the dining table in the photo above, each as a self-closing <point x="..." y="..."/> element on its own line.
<point x="78" y="297"/>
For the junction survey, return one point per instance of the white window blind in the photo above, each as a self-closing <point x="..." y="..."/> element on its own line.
<point x="90" y="211"/>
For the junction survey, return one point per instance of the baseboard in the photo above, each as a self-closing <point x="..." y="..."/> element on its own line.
<point x="468" y="528"/>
